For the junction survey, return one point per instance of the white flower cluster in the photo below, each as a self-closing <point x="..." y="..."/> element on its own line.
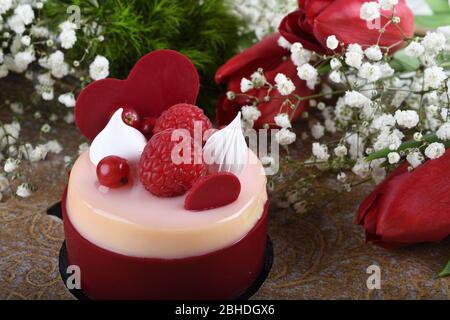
<point x="262" y="16"/>
<point x="27" y="40"/>
<point x="370" y="11"/>
<point x="382" y="108"/>
<point x="377" y="108"/>
<point x="13" y="152"/>
<point x="31" y="48"/>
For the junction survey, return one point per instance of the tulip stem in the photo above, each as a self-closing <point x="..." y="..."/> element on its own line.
<point x="319" y="95"/>
<point x="446" y="271"/>
<point x="430" y="138"/>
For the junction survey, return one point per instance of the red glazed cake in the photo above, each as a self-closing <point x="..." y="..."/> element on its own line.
<point x="141" y="227"/>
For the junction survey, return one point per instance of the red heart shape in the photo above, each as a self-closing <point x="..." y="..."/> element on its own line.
<point x="157" y="81"/>
<point x="213" y="191"/>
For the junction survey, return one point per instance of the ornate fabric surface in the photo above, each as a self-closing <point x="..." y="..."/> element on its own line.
<point x="320" y="255"/>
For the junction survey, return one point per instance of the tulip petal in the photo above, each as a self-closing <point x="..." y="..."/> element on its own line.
<point x="313" y="8"/>
<point x="290" y="28"/>
<point x="265" y="54"/>
<point x="410" y="207"/>
<point x="350" y="28"/>
<point x="227" y="110"/>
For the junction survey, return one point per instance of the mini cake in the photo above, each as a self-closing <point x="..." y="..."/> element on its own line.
<point x="142" y="224"/>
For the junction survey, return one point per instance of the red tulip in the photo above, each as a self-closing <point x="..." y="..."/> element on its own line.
<point x="273" y="59"/>
<point x="315" y="20"/>
<point x="409" y="207"/>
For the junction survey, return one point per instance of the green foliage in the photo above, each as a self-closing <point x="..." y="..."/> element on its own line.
<point x="446" y="271"/>
<point x="205" y="31"/>
<point x="440" y="17"/>
<point x="402" y="62"/>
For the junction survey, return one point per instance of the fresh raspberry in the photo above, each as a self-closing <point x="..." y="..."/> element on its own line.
<point x="183" y="116"/>
<point x="160" y="174"/>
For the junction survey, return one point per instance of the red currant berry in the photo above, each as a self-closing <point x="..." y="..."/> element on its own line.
<point x="113" y="172"/>
<point x="147" y="126"/>
<point x="131" y="117"/>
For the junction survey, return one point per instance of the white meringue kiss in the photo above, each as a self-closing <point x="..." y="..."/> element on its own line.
<point x="226" y="149"/>
<point x="117" y="139"/>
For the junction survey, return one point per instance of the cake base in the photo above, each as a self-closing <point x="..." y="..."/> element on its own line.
<point x="268" y="261"/>
<point x="235" y="272"/>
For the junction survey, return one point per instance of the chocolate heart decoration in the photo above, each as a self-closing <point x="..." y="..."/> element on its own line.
<point x="213" y="191"/>
<point x="157" y="81"/>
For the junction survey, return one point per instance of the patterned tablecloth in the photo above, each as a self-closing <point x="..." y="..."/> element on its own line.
<point x="320" y="255"/>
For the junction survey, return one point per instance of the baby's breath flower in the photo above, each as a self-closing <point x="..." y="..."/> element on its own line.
<point x="83" y="147"/>
<point x="258" y="78"/>
<point x="282" y="42"/>
<point x="11" y="165"/>
<point x="5" y="5"/>
<point x="69" y="118"/>
<point x="53" y="117"/>
<point x="282" y="120"/>
<point x="231" y="95"/>
<point x="54" y="146"/>
<point x="251" y="113"/>
<point x="46" y="128"/>
<point x="25" y="13"/>
<point x="443" y="132"/>
<point x="396" y="19"/>
<point x="417" y="136"/>
<point x="67" y="99"/>
<point x="67" y="160"/>
<point x="24" y="190"/>
<point x="435" y="150"/>
<point x="335" y="64"/>
<point x="320" y="151"/>
<point x="370" y="72"/>
<point x="25" y="40"/>
<point x="246" y="85"/>
<point x="335" y="76"/>
<point x="284" y="85"/>
<point x="285" y="137"/>
<point x="393" y="157"/>
<point x="16" y="107"/>
<point x="415" y="158"/>
<point x="308" y="73"/>
<point x="317" y="131"/>
<point x="353" y="59"/>
<point x="4" y="183"/>
<point x="332" y="42"/>
<point x="38" y="153"/>
<point x="341" y="177"/>
<point x="370" y="11"/>
<point x="356" y="99"/>
<point x="321" y="106"/>
<point x="99" y="68"/>
<point x="388" y="4"/>
<point x="433" y="77"/>
<point x="299" y="55"/>
<point x="414" y="49"/>
<point x="361" y="168"/>
<point x="340" y="151"/>
<point x="267" y="161"/>
<point x="433" y="42"/>
<point x="373" y="53"/>
<point x="408" y="118"/>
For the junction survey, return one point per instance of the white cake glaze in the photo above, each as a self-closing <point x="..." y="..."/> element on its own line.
<point x="133" y="222"/>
